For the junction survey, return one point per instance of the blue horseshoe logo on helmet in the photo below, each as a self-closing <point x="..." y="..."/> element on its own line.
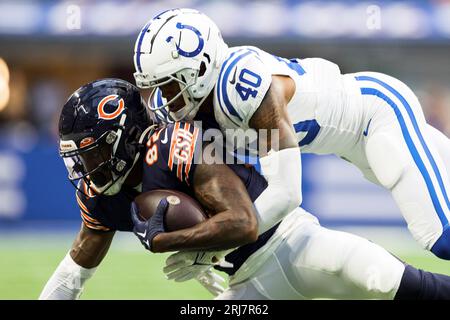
<point x="201" y="42"/>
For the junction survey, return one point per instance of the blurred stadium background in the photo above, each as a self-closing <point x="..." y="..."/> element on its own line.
<point x="48" y="49"/>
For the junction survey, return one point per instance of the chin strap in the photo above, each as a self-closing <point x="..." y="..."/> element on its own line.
<point x="115" y="187"/>
<point x="189" y="115"/>
<point x="147" y="132"/>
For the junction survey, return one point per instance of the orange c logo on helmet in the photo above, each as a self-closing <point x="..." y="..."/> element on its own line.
<point x="102" y="114"/>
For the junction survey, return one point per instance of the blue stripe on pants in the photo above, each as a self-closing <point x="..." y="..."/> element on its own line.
<point x="412" y="148"/>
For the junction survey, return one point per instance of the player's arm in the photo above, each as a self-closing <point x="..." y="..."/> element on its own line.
<point x="90" y="247"/>
<point x="233" y="223"/>
<point x="272" y="114"/>
<point x="80" y="263"/>
<point x="282" y="166"/>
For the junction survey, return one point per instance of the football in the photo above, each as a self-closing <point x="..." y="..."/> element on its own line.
<point x="183" y="211"/>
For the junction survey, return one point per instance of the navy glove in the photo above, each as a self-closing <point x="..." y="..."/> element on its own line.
<point x="147" y="230"/>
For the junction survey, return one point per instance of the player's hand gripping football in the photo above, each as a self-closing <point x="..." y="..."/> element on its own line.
<point x="147" y="230"/>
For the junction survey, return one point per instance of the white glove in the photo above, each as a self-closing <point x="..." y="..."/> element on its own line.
<point x="212" y="282"/>
<point x="185" y="265"/>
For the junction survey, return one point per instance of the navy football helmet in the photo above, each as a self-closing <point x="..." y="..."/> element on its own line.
<point x="101" y="129"/>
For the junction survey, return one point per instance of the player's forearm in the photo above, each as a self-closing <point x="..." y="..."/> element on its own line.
<point x="233" y="223"/>
<point x="90" y="247"/>
<point x="89" y="252"/>
<point x="282" y="171"/>
<point x="225" y="230"/>
<point x="282" y="168"/>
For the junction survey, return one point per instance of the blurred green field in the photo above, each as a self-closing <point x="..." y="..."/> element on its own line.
<point x="128" y="272"/>
<point x="123" y="275"/>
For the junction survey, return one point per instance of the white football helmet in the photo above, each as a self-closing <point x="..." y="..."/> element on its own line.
<point x="184" y="46"/>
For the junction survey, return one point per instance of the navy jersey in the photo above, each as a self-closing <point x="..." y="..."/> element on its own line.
<point x="172" y="155"/>
<point x="106" y="213"/>
<point x="170" y="158"/>
<point x="169" y="162"/>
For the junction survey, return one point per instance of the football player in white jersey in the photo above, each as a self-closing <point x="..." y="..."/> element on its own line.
<point x="369" y="119"/>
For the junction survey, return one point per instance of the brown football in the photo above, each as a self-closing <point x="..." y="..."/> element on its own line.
<point x="183" y="212"/>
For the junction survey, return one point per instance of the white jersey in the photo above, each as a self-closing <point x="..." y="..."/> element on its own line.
<point x="370" y="119"/>
<point x="326" y="109"/>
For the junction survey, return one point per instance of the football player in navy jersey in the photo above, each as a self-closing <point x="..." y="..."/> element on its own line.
<point x="114" y="150"/>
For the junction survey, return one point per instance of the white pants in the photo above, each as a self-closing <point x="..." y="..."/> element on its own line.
<point x="315" y="262"/>
<point x="407" y="156"/>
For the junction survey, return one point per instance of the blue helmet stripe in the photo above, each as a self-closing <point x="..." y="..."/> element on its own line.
<point x="138" y="49"/>
<point x="142" y="34"/>
<point x="159" y="100"/>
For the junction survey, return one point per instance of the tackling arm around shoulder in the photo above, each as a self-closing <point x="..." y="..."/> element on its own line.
<point x="233" y="223"/>
<point x="282" y="165"/>
<point x="79" y="265"/>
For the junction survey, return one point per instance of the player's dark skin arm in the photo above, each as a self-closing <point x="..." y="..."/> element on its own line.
<point x="272" y="114"/>
<point x="233" y="223"/>
<point x="90" y="247"/>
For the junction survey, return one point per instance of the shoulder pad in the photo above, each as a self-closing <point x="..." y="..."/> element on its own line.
<point x="242" y="84"/>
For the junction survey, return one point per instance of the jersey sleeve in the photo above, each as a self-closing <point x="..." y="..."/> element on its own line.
<point x="88" y="218"/>
<point x="176" y="149"/>
<point x="243" y="82"/>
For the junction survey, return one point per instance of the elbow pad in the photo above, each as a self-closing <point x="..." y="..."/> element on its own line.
<point x="67" y="281"/>
<point x="283" y="172"/>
